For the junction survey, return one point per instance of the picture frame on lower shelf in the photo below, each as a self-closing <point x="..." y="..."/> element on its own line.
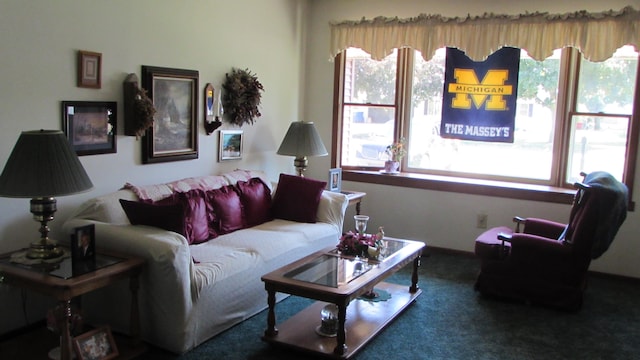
<point x="335" y="180"/>
<point x="97" y="344"/>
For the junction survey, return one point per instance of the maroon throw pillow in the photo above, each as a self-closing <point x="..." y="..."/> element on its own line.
<point x="227" y="209"/>
<point x="196" y="222"/>
<point x="165" y="216"/>
<point x="255" y="197"/>
<point x="297" y="198"/>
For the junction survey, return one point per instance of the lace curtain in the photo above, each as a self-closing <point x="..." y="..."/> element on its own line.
<point x="596" y="35"/>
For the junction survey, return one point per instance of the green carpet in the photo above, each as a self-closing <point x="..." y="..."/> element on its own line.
<point x="451" y="321"/>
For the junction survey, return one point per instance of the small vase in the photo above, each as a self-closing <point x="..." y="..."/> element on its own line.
<point x="391" y="166"/>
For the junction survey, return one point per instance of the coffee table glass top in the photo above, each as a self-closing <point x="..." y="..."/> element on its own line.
<point x="333" y="269"/>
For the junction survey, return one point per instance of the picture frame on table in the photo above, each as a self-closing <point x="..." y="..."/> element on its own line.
<point x="335" y="180"/>
<point x="91" y="126"/>
<point x="231" y="145"/>
<point x="97" y="344"/>
<point x="89" y="69"/>
<point x="174" y="134"/>
<point x="83" y="249"/>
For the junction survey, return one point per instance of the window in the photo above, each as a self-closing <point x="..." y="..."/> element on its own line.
<point x="573" y="115"/>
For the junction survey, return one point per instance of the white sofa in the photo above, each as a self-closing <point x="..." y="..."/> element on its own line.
<point x="189" y="293"/>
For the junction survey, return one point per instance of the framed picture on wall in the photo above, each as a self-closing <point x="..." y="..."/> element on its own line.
<point x="335" y="180"/>
<point x="90" y="126"/>
<point x="230" y="145"/>
<point x="89" y="69"/>
<point x="174" y="134"/>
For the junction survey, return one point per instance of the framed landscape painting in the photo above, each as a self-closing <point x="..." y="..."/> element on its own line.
<point x="90" y="126"/>
<point x="174" y="135"/>
<point x="230" y="145"/>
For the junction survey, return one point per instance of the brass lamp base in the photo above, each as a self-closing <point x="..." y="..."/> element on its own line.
<point x="44" y="249"/>
<point x="300" y="163"/>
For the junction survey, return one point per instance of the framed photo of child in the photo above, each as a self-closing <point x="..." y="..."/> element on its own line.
<point x="335" y="180"/>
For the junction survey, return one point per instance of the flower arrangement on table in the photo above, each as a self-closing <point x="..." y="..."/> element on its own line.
<point x="362" y="245"/>
<point x="397" y="150"/>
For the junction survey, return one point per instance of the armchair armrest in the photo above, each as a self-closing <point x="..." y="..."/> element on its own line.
<point x="537" y="249"/>
<point x="544" y="228"/>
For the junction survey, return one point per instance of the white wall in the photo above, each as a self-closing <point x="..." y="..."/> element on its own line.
<point x="39" y="40"/>
<point x="443" y="219"/>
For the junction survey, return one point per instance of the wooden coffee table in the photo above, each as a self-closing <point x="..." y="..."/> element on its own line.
<point x="330" y="278"/>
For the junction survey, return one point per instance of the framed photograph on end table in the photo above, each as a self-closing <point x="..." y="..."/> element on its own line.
<point x="90" y="126"/>
<point x="89" y="69"/>
<point x="174" y="135"/>
<point x="231" y="145"/>
<point x="335" y="180"/>
<point x="96" y="344"/>
<point x="83" y="249"/>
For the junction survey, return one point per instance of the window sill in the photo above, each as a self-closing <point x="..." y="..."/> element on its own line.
<point x="465" y="186"/>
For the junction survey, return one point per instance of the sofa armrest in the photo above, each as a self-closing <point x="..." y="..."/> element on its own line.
<point x="167" y="253"/>
<point x="332" y="208"/>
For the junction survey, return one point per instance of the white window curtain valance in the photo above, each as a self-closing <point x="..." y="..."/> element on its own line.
<point x="596" y="35"/>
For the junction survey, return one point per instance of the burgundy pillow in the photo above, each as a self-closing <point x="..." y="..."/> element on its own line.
<point x="297" y="198"/>
<point x="196" y="224"/>
<point x="165" y="216"/>
<point x="227" y="209"/>
<point x="255" y="197"/>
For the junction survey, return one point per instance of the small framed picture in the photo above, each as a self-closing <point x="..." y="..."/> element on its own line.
<point x="335" y="180"/>
<point x="89" y="69"/>
<point x="83" y="249"/>
<point x="230" y="145"/>
<point x="96" y="344"/>
<point x="90" y="126"/>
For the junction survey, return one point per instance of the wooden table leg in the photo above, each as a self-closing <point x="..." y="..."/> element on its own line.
<point x="271" y="330"/>
<point x="341" y="346"/>
<point x="414" y="275"/>
<point x="134" y="316"/>
<point x="65" y="332"/>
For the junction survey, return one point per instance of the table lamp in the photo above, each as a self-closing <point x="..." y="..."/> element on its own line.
<point x="302" y="140"/>
<point x="41" y="166"/>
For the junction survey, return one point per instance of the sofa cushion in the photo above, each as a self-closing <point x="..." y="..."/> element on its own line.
<point x="227" y="209"/>
<point x="297" y="198"/>
<point x="196" y="220"/>
<point x="165" y="216"/>
<point x="255" y="197"/>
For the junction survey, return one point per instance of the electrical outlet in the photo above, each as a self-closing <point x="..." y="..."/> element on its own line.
<point x="481" y="221"/>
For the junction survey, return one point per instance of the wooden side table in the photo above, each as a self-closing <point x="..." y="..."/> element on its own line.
<point x="59" y="282"/>
<point x="355" y="197"/>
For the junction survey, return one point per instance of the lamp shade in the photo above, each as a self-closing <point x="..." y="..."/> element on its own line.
<point x="43" y="164"/>
<point x="302" y="139"/>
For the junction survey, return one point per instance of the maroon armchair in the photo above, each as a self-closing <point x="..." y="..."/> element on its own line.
<point x="546" y="262"/>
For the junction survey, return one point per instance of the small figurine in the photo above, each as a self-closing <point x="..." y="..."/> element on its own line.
<point x="380" y="234"/>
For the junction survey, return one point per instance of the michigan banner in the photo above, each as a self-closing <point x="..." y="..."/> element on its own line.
<point x="480" y="97"/>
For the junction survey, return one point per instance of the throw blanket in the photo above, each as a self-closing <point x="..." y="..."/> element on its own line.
<point x="614" y="197"/>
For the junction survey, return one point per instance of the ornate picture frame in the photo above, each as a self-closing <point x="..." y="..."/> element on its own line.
<point x="89" y="69"/>
<point x="231" y="145"/>
<point x="174" y="135"/>
<point x="97" y="344"/>
<point x="90" y="126"/>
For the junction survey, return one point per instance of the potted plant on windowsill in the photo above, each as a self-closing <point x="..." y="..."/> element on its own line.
<point x="396" y="152"/>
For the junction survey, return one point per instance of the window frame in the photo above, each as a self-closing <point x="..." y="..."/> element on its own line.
<point x="557" y="192"/>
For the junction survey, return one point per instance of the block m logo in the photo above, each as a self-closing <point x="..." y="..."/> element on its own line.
<point x="468" y="88"/>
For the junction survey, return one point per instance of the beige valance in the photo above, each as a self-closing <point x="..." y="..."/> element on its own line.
<point x="596" y="35"/>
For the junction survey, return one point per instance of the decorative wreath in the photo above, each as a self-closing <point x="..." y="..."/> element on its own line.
<point x="143" y="111"/>
<point x="241" y="97"/>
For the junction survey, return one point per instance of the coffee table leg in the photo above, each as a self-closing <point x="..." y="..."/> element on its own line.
<point x="414" y="276"/>
<point x="341" y="347"/>
<point x="65" y="331"/>
<point x="271" y="330"/>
